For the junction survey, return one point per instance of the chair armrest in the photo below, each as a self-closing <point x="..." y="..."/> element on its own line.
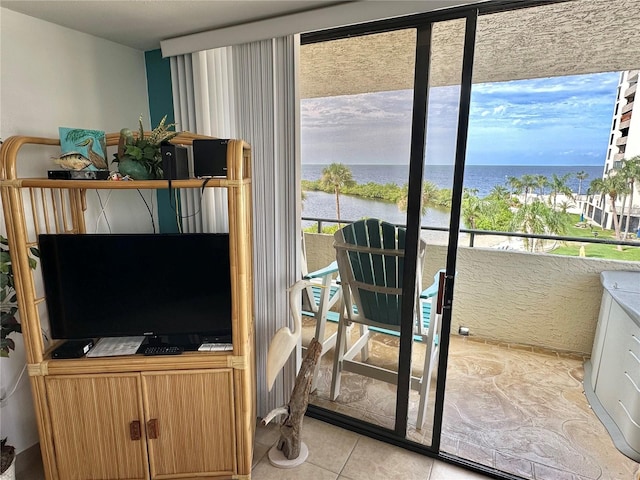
<point x="323" y="272"/>
<point x="432" y="290"/>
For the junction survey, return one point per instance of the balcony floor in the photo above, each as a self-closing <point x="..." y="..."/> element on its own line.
<point x="518" y="409"/>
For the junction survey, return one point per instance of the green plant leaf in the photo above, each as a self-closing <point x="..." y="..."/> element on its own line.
<point x="150" y="152"/>
<point x="140" y="128"/>
<point x="6" y="344"/>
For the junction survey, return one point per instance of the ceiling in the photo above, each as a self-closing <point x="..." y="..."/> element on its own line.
<point x="567" y="38"/>
<point x="142" y="24"/>
<point x="581" y="36"/>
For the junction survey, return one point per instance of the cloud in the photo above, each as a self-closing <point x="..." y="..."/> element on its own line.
<point x="351" y="111"/>
<point x="517" y="120"/>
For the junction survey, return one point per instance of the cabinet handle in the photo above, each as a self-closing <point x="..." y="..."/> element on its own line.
<point x="134" y="430"/>
<point x="440" y="297"/>
<point x="152" y="428"/>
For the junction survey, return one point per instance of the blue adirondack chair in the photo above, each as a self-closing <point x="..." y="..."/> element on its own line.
<point x="317" y="301"/>
<point x="370" y="256"/>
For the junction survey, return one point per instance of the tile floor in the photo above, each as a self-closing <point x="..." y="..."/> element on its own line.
<point x="334" y="454"/>
<point x="514" y="408"/>
<point x="337" y="454"/>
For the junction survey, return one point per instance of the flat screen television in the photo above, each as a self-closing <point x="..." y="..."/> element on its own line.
<point x="113" y="285"/>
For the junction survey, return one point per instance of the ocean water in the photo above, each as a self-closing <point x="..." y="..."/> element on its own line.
<point x="480" y="177"/>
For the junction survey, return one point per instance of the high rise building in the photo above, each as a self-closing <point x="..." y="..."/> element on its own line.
<point x="624" y="143"/>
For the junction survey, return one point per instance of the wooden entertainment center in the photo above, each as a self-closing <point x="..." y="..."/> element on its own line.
<point x="190" y="416"/>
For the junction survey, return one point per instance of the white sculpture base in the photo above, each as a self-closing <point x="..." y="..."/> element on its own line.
<point x="277" y="458"/>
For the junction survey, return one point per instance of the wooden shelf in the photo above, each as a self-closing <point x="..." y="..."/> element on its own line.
<point x="100" y="417"/>
<point x="124" y="185"/>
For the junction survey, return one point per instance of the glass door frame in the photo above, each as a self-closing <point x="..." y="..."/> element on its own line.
<point x="416" y="171"/>
<point x="423" y="25"/>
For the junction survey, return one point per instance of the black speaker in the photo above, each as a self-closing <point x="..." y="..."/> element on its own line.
<point x="175" y="162"/>
<point x="210" y="157"/>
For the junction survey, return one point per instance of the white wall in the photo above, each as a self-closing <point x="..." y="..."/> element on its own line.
<point x="52" y="76"/>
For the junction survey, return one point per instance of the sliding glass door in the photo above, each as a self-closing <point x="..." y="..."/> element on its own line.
<point x="356" y="113"/>
<point x="547" y="116"/>
<point x="439" y="143"/>
<point x="374" y="145"/>
<point x="474" y="129"/>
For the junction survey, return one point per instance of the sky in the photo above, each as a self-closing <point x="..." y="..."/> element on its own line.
<point x="547" y="121"/>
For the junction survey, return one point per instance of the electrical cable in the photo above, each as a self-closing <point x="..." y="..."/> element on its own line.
<point x="174" y="206"/>
<point x="178" y="222"/>
<point x="15" y="386"/>
<point x="103" y="212"/>
<point x="153" y="223"/>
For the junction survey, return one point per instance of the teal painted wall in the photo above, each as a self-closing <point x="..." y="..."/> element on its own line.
<point x="161" y="104"/>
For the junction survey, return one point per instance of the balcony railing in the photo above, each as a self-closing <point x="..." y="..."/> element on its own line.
<point x="631" y="90"/>
<point x="512" y="296"/>
<point x="474" y="233"/>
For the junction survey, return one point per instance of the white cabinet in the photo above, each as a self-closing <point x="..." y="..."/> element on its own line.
<point x="612" y="376"/>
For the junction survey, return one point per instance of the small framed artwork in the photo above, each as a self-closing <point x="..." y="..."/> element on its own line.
<point x="91" y="145"/>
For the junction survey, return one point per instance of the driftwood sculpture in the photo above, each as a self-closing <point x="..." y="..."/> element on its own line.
<point x="291" y="427"/>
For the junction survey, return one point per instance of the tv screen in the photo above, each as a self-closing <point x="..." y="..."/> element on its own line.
<point x="113" y="285"/>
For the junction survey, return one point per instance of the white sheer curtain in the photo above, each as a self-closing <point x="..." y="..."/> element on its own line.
<point x="249" y="91"/>
<point x="203" y="103"/>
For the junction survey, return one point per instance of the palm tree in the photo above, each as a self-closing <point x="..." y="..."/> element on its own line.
<point x="612" y="186"/>
<point x="471" y="208"/>
<point x="581" y="175"/>
<point x="515" y="184"/>
<point x="337" y="176"/>
<point x="631" y="173"/>
<point x="541" y="182"/>
<point x="430" y="193"/>
<point x="499" y="192"/>
<point x="517" y="187"/>
<point x="565" y="205"/>
<point x="538" y="218"/>
<point x="559" y="186"/>
<point x="529" y="183"/>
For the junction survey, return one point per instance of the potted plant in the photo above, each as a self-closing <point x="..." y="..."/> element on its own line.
<point x="8" y="325"/>
<point x="7" y="465"/>
<point x="138" y="156"/>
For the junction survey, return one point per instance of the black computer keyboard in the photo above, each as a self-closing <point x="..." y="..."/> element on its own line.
<point x="162" y="350"/>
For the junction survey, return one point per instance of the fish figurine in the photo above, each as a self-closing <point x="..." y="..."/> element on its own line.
<point x="72" y="161"/>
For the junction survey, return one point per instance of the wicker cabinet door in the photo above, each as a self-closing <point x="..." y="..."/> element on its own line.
<point x="190" y="423"/>
<point x="97" y="427"/>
